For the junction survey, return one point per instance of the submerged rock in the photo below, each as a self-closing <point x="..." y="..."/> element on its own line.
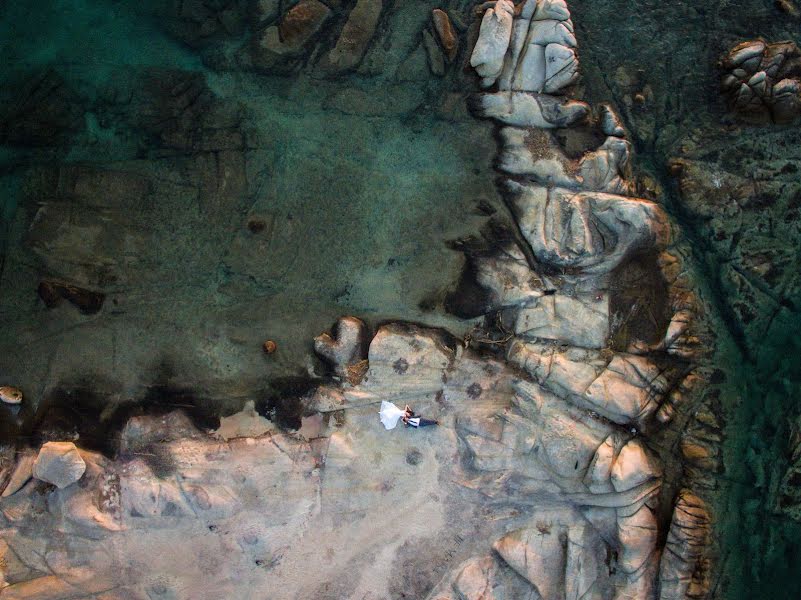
<point x="59" y="463"/>
<point x="290" y="37"/>
<point x="53" y="292"/>
<point x="355" y="37"/>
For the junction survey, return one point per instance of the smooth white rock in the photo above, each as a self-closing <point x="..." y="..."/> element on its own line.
<point x="634" y="465"/>
<point x="561" y="67"/>
<point x="551" y="31"/>
<point x="550" y="9"/>
<point x="493" y="40"/>
<point x="59" y="463"/>
<point x="530" y="73"/>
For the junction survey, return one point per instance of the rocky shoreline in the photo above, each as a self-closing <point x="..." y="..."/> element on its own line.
<point x="576" y="379"/>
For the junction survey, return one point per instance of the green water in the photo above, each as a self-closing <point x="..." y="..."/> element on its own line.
<point x="761" y="546"/>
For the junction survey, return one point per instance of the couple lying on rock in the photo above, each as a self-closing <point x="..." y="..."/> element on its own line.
<point x="410" y="419"/>
<point x="391" y="414"/>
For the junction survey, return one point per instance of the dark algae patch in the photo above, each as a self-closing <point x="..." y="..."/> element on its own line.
<point x="761" y="544"/>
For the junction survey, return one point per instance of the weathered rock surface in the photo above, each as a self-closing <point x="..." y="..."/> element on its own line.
<point x="586" y="232"/>
<point x="20" y="473"/>
<point x="59" y="463"/>
<point x="684" y="567"/>
<point x="490" y="49"/>
<point x="763" y="80"/>
<point x="524" y="109"/>
<point x="346" y="350"/>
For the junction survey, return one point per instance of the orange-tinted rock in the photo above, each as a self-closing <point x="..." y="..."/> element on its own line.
<point x="446" y="33"/>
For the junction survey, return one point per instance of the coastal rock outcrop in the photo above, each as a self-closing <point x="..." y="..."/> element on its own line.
<point x="547" y="477"/>
<point x="763" y="80"/>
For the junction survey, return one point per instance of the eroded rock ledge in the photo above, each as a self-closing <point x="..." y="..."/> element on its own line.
<point x="547" y="478"/>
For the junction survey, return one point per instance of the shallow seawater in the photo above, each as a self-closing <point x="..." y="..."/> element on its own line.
<point x="334" y="204"/>
<point x="341" y="200"/>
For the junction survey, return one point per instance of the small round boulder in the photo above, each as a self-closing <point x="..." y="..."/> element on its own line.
<point x="10" y="395"/>
<point x="59" y="463"/>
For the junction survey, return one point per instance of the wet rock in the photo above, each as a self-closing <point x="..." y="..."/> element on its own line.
<point x="59" y="463"/>
<point x="446" y="33"/>
<point x="356" y="35"/>
<point x="44" y="111"/>
<point x="789" y="496"/>
<point x="301" y="22"/>
<point x="53" y="292"/>
<point x="265" y="11"/>
<point x="199" y="22"/>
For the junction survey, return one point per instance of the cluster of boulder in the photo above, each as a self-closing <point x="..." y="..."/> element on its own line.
<point x="58" y="463"/>
<point x="588" y="393"/>
<point x="763" y="80"/>
<point x="291" y="36"/>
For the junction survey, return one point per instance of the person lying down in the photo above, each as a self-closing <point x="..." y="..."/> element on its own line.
<point x="391" y="414"/>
